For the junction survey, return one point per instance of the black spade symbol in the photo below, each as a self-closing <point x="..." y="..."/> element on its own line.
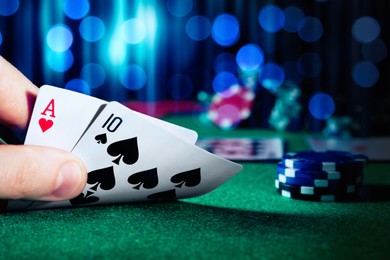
<point x="164" y="195"/>
<point x="81" y="199"/>
<point x="103" y="177"/>
<point x="148" y="179"/>
<point x="126" y="150"/>
<point x="101" y="139"/>
<point x="189" y="178"/>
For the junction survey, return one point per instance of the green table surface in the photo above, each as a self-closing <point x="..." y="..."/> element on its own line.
<point x="244" y="218"/>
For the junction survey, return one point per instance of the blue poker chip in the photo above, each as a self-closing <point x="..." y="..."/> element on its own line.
<point x="301" y="173"/>
<point x="318" y="197"/>
<point x="307" y="181"/>
<point x="303" y="181"/>
<point x="323" y="161"/>
<point x="353" y="175"/>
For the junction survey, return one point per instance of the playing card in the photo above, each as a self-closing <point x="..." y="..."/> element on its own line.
<point x="140" y="161"/>
<point x="60" y="117"/>
<point x="375" y="148"/>
<point x="244" y="149"/>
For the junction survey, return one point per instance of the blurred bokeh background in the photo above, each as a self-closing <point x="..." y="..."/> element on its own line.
<point x="319" y="66"/>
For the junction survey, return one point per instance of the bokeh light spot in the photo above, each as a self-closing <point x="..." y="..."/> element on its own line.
<point x="8" y="7"/>
<point x="365" y="74"/>
<point x="250" y="57"/>
<point x="321" y="105"/>
<point x="271" y="18"/>
<point x="76" y="9"/>
<point x="179" y="8"/>
<point x="201" y="119"/>
<point x="226" y="66"/>
<point x="225" y="30"/>
<point x="375" y="51"/>
<point x="225" y="62"/>
<point x="92" y="29"/>
<point x="365" y="29"/>
<point x="94" y="74"/>
<point x="291" y="72"/>
<point x="117" y="48"/>
<point x="224" y="80"/>
<point x="310" y="65"/>
<point x="78" y="85"/>
<point x="59" y="38"/>
<point x="179" y="86"/>
<point x="133" y="31"/>
<point x="271" y="76"/>
<point x="198" y="28"/>
<point x="133" y="77"/>
<point x="293" y="15"/>
<point x="59" y="61"/>
<point x="203" y="97"/>
<point x="310" y="29"/>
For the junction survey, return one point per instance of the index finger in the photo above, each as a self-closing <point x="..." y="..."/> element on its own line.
<point x="17" y="96"/>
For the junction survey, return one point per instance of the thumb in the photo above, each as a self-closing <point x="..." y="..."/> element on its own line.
<point x="40" y="173"/>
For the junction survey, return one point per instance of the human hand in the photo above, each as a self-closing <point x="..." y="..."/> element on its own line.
<point x="26" y="171"/>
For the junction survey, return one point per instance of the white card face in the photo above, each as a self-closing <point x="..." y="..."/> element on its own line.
<point x="60" y="117"/>
<point x="139" y="161"/>
<point x="188" y="135"/>
<point x="375" y="148"/>
<point x="244" y="148"/>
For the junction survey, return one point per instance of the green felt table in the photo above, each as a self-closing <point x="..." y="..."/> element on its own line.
<point x="244" y="218"/>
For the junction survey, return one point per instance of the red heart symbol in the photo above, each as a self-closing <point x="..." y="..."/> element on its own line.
<point x="45" y="124"/>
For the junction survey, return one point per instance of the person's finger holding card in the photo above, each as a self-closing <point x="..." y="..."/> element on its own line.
<point x="31" y="171"/>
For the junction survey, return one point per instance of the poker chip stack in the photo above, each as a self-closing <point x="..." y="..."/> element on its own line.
<point x="320" y="176"/>
<point x="229" y="107"/>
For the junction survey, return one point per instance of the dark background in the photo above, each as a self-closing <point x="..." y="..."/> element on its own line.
<point x="172" y="52"/>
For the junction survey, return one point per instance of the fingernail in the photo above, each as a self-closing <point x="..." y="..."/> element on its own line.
<point x="69" y="177"/>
